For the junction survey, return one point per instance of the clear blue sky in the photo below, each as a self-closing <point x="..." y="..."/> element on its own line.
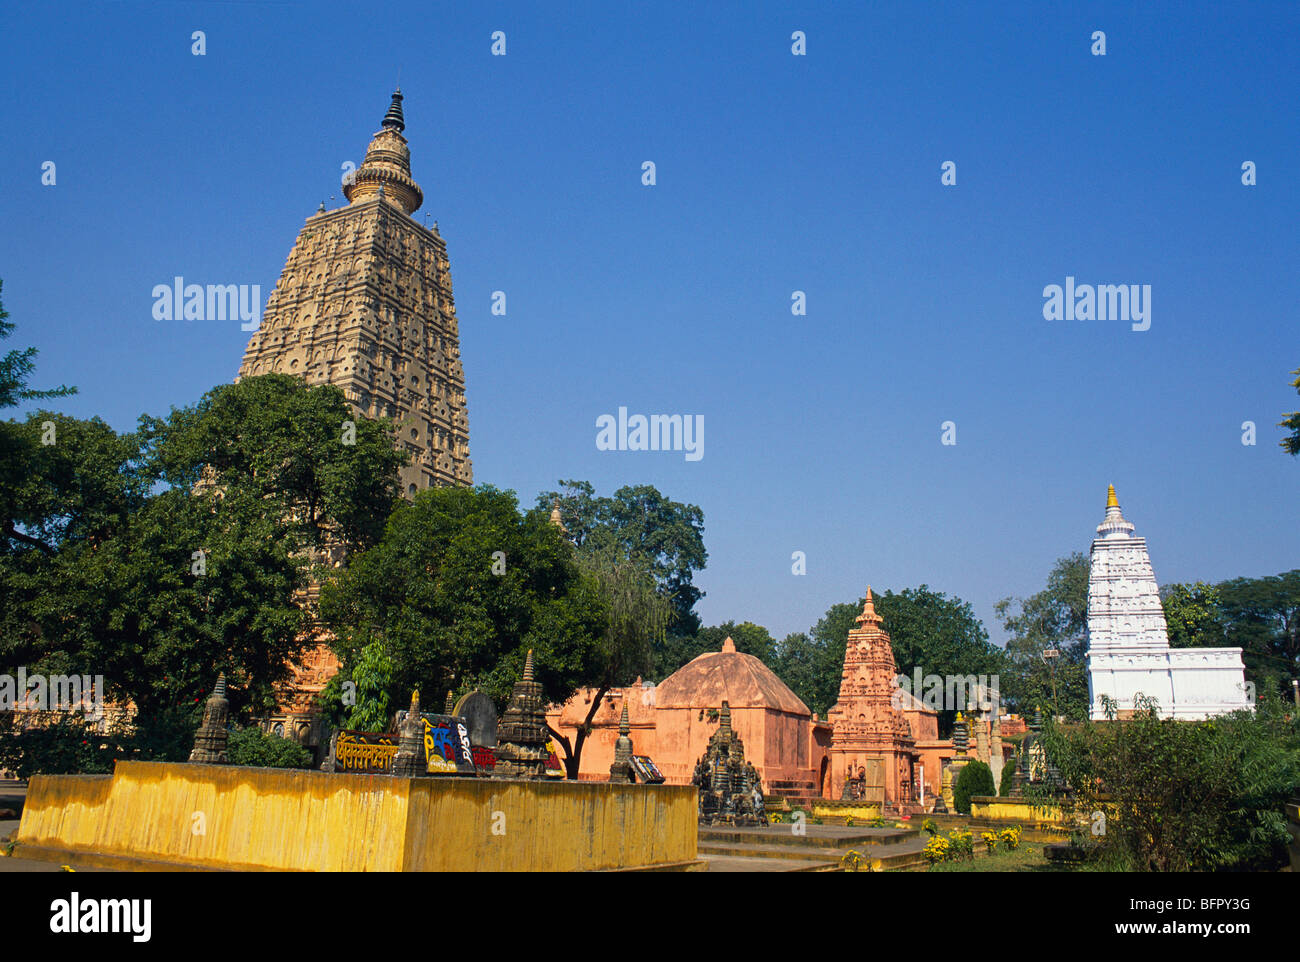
<point x="776" y="173"/>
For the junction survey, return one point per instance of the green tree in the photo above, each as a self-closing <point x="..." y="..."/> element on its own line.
<point x="748" y="637"/>
<point x="373" y="676"/>
<point x="808" y="668"/>
<point x="939" y="636"/>
<point x="460" y="587"/>
<point x="332" y="472"/>
<point x="1291" y="443"/>
<point x="1183" y="796"/>
<point x="1054" y="619"/>
<point x="636" y="616"/>
<point x="642" y="523"/>
<point x="1192" y="613"/>
<point x="115" y="560"/>
<point x="1262" y="617"/>
<point x="1008" y="779"/>
<point x="975" y="778"/>
<point x="16" y="366"/>
<point x="252" y="746"/>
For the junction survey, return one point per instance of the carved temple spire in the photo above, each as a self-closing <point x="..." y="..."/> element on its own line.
<point x="386" y="171"/>
<point x="868" y="615"/>
<point x="1114" y="525"/>
<point x="394" y="117"/>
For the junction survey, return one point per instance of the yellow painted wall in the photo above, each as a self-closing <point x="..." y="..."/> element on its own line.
<point x="865" y="810"/>
<point x="1012" y="810"/>
<point x="281" y="819"/>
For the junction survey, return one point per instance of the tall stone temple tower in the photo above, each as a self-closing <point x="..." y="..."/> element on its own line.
<point x="365" y="303"/>
<point x="1128" y="640"/>
<point x="872" y="743"/>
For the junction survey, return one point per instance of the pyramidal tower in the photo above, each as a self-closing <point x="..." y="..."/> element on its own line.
<point x="871" y="739"/>
<point x="1128" y="640"/>
<point x="365" y="303"/>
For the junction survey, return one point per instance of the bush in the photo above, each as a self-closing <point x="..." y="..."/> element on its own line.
<point x="1185" y="796"/>
<point x="975" y="778"/>
<point x="1008" y="775"/>
<point x="67" y="744"/>
<point x="252" y="746"/>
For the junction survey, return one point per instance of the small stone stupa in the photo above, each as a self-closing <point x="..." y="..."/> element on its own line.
<point x="409" y="762"/>
<point x="730" y="791"/>
<point x="210" y="739"/>
<point x="621" y="770"/>
<point x="521" y="749"/>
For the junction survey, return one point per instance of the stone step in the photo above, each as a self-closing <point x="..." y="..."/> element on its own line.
<point x="734" y="863"/>
<point x="815" y="836"/>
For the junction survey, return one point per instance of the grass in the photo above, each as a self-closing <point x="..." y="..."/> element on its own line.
<point x="1028" y="857"/>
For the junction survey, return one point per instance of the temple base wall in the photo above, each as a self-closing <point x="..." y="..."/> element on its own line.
<point x="218" y="816"/>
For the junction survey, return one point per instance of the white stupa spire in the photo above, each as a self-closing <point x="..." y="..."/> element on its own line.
<point x="1128" y="639"/>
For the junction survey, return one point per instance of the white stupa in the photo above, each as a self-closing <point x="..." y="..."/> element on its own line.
<point x="1128" y="640"/>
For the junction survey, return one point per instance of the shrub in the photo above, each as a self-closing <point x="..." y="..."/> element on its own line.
<point x="1010" y="837"/>
<point x="975" y="778"/>
<point x="960" y="844"/>
<point x="252" y="746"/>
<point x="1186" y="796"/>
<point x="938" y="849"/>
<point x="929" y="827"/>
<point x="67" y="744"/>
<point x="990" y="841"/>
<point x="1008" y="776"/>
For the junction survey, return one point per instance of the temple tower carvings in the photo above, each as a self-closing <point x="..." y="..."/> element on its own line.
<point x="1128" y="641"/>
<point x="365" y="303"/>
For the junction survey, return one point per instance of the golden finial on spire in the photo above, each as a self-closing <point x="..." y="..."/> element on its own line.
<point x="1111" y="501"/>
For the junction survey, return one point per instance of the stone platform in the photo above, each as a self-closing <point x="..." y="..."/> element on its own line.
<point x="152" y="815"/>
<point x="776" y="848"/>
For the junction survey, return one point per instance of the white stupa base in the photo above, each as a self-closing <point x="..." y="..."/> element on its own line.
<point x="1186" y="683"/>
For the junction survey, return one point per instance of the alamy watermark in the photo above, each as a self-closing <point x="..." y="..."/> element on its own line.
<point x="658" y="432"/>
<point x="67" y="693"/>
<point x="215" y="302"/>
<point x="947" y="692"/>
<point x="1104" y="302"/>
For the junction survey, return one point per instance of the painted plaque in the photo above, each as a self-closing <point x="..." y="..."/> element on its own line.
<point x="362" y="752"/>
<point x="447" y="750"/>
<point x="646" y="770"/>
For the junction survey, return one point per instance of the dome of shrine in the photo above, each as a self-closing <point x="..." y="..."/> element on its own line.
<point x="731" y="676"/>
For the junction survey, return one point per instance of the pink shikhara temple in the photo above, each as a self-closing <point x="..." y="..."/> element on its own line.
<point x="877" y="734"/>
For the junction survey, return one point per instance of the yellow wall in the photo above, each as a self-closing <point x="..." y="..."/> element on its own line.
<point x="865" y="810"/>
<point x="281" y="819"/>
<point x="1012" y="810"/>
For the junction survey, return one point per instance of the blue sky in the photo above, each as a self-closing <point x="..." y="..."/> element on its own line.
<point x="775" y="173"/>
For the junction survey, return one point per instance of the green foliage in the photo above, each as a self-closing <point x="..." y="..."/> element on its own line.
<point x="1054" y="618"/>
<point x="1291" y="443"/>
<point x="448" y="622"/>
<point x="1259" y="615"/>
<point x="373" y="676"/>
<point x="1007" y="782"/>
<point x="1192" y="615"/>
<point x="161" y="557"/>
<point x="639" y="522"/>
<point x="252" y="746"/>
<point x="975" y="778"/>
<point x="750" y="638"/>
<point x="1184" y="796"/>
<point x="927" y="629"/>
<point x="16" y="366"/>
<point x="940" y="636"/>
<point x="275" y="437"/>
<point x="68" y="744"/>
